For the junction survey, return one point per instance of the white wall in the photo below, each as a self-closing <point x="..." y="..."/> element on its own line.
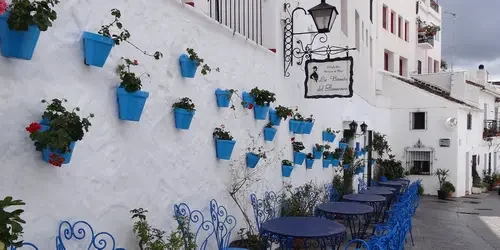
<point x="123" y="165"/>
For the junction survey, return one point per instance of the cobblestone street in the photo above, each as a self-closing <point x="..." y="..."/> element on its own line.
<point x="471" y="222"/>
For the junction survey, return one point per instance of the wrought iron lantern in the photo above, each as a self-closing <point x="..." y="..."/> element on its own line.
<point x="353" y="126"/>
<point x="364" y="127"/>
<point x="324" y="16"/>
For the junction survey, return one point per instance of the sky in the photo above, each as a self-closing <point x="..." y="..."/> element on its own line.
<point x="473" y="37"/>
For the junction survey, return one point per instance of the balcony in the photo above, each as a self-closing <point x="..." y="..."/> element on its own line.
<point x="434" y="6"/>
<point x="425" y="41"/>
<point x="491" y="128"/>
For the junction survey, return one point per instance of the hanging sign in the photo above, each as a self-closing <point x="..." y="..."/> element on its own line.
<point x="329" y="78"/>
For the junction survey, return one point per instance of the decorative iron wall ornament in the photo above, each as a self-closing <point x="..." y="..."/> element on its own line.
<point x="329" y="78"/>
<point x="304" y="50"/>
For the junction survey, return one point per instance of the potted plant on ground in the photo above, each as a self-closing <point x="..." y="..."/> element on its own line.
<point x="190" y="62"/>
<point x="269" y="132"/>
<point x="10" y="224"/>
<point x="183" y="111"/>
<point x="442" y="175"/>
<point x="224" y="143"/>
<point x="298" y="157"/>
<point x="286" y="168"/>
<point x="25" y="19"/>
<point x="296" y="123"/>
<point x="448" y="188"/>
<point x="98" y="46"/>
<point x="262" y="99"/>
<point x="56" y="135"/>
<point x="224" y="97"/>
<point x="343" y="143"/>
<point x="309" y="161"/>
<point x="131" y="99"/>
<point x="337" y="156"/>
<point x="254" y="155"/>
<point x="278" y="113"/>
<point x="318" y="150"/>
<point x="308" y="125"/>
<point x="329" y="135"/>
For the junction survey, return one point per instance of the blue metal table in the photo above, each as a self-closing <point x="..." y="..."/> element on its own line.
<point x="306" y="232"/>
<point x="399" y="185"/>
<point x="356" y="215"/>
<point x="376" y="201"/>
<point x="389" y="196"/>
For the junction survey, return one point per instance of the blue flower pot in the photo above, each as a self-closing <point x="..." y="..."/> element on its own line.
<point x="188" y="66"/>
<point x="342" y="145"/>
<point x="224" y="148"/>
<point x="335" y="162"/>
<point x="247" y="99"/>
<point x="130" y="105"/>
<point x="269" y="134"/>
<point x="317" y="154"/>
<point x="183" y="118"/>
<point x="308" y="126"/>
<point x="294" y="126"/>
<point x="252" y="160"/>
<point x="46" y="153"/>
<point x="286" y="170"/>
<point x="358" y="154"/>
<point x="346" y="166"/>
<point x="96" y="48"/>
<point x="274" y="118"/>
<point x="309" y="163"/>
<point x="328" y="137"/>
<point x="326" y="163"/>
<point x="3" y="25"/>
<point x="299" y="157"/>
<point x="223" y="98"/>
<point x="19" y="44"/>
<point x="260" y="112"/>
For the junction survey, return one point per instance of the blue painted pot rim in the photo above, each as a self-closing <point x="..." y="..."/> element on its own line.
<point x="185" y="58"/>
<point x="183" y="111"/>
<point x="98" y="38"/>
<point x="139" y="93"/>
<point x="221" y="92"/>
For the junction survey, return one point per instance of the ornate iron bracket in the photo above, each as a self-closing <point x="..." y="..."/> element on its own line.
<point x="304" y="50"/>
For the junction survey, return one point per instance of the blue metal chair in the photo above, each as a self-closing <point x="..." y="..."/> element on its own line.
<point x="196" y="227"/>
<point x="25" y="244"/>
<point x="82" y="231"/>
<point x="267" y="208"/>
<point x="224" y="224"/>
<point x="360" y="244"/>
<point x="331" y="194"/>
<point x="383" y="179"/>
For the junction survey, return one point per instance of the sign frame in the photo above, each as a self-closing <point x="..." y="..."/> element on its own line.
<point x="336" y="59"/>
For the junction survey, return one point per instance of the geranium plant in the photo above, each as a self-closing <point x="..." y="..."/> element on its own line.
<point x="326" y="154"/>
<point x="269" y="125"/>
<point x="330" y="131"/>
<point x="309" y="119"/>
<point x="262" y="97"/>
<point x="286" y="162"/>
<point x="310" y="156"/>
<point x="130" y="82"/>
<point x="298" y="117"/>
<point x="185" y="103"/>
<point x="64" y="127"/>
<point x="297" y="146"/>
<point x="320" y="147"/>
<point x="337" y="153"/>
<point x="283" y="112"/>
<point x="221" y="133"/>
<point x="205" y="69"/>
<point x="24" y="13"/>
<point x="10" y="223"/>
<point x="123" y="35"/>
<point x="259" y="151"/>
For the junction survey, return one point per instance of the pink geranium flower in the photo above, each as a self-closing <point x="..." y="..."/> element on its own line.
<point x="3" y="6"/>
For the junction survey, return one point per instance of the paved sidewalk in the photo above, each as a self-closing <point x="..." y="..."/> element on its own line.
<point x="471" y="222"/>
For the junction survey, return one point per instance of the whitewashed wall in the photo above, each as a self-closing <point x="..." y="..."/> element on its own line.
<point x="123" y="165"/>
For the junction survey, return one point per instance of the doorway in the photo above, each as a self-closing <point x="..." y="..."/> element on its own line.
<point x="467" y="173"/>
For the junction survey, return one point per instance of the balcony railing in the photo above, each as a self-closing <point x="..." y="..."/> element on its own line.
<point x="426" y="41"/>
<point x="242" y="16"/>
<point x="434" y="6"/>
<point x="491" y="128"/>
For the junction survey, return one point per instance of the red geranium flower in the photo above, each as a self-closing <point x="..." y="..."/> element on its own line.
<point x="136" y="62"/>
<point x="292" y="139"/>
<point x="250" y="106"/>
<point x="56" y="160"/>
<point x="33" y="127"/>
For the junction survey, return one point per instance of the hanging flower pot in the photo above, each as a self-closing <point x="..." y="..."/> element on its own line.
<point x="260" y="112"/>
<point x="18" y="43"/>
<point x="131" y="99"/>
<point x="309" y="162"/>
<point x="183" y="112"/>
<point x="96" y="48"/>
<point x="274" y="118"/>
<point x="329" y="135"/>
<point x="298" y="158"/>
<point x="295" y="126"/>
<point x="358" y="154"/>
<point x="252" y="160"/>
<point x="326" y="163"/>
<point x="286" y="168"/>
<point x="58" y="142"/>
<point x="346" y="166"/>
<point x="189" y="64"/>
<point x="335" y="162"/>
<point x="317" y="153"/>
<point x="308" y="126"/>
<point x="247" y="100"/>
<point x="224" y="143"/>
<point x="223" y="97"/>
<point x="269" y="132"/>
<point x="342" y="145"/>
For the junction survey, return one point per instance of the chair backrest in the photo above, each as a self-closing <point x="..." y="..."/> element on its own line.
<point x="360" y="244"/>
<point x="331" y="194"/>
<point x="383" y="179"/>
<point x="267" y="208"/>
<point x="223" y="223"/>
<point x="25" y="245"/>
<point x="82" y="231"/>
<point x="361" y="184"/>
<point x="195" y="227"/>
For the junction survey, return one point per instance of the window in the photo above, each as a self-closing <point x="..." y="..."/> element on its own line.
<point x="469" y="121"/>
<point x="357" y="37"/>
<point x="400" y="27"/>
<point x="419" y="161"/>
<point x="401" y="66"/>
<point x="393" y="25"/>
<point x="418" y="120"/>
<point x="371" y="52"/>
<point x="343" y="17"/>
<point x="419" y="67"/>
<point x="384" y="17"/>
<point x="429" y="65"/>
<point x="407" y="27"/>
<point x="436" y="66"/>
<point x="386" y="61"/>
<point x="371" y="11"/>
<point x="416" y="12"/>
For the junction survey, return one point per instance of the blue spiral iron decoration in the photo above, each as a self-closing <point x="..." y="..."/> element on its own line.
<point x="223" y="223"/>
<point x="195" y="220"/>
<point x="82" y="230"/>
<point x="30" y="245"/>
<point x="267" y="208"/>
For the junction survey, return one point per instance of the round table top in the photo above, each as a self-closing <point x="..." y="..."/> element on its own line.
<point x="364" y="197"/>
<point x="347" y="208"/>
<point x="392" y="183"/>
<point x="382" y="188"/>
<point x="308" y="227"/>
<point x="377" y="191"/>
